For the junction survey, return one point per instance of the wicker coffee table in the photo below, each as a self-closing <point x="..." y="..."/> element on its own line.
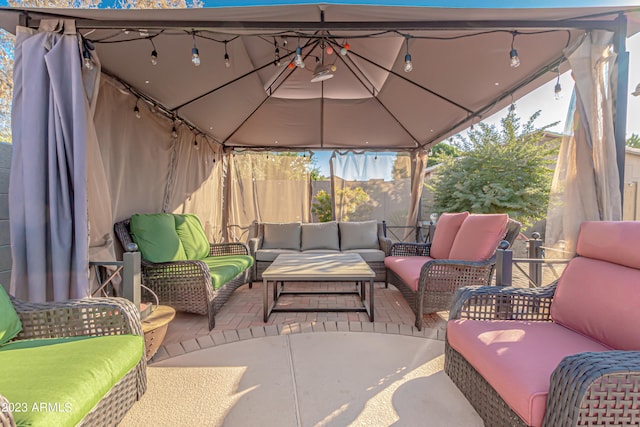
<point x="318" y="268"/>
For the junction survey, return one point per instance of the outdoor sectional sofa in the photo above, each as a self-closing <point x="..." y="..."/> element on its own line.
<point x="77" y="362"/>
<point x="179" y="264"/>
<point x="365" y="238"/>
<point x="462" y="253"/>
<point x="566" y="354"/>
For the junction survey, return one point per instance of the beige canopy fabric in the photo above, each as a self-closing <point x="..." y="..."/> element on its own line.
<point x="586" y="184"/>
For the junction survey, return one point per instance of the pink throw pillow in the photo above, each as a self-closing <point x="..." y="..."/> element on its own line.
<point x="478" y="237"/>
<point x="446" y="230"/>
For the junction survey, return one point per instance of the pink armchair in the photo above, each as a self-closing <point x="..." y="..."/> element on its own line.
<point x="566" y="354"/>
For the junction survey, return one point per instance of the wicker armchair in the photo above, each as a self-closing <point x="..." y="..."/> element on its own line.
<point x="591" y="388"/>
<point x="440" y="278"/>
<point x="91" y="317"/>
<point x="186" y="285"/>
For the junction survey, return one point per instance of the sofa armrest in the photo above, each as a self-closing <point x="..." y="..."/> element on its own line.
<point x="88" y="316"/>
<point x="254" y="244"/>
<point x="595" y="385"/>
<point x="410" y="249"/>
<point x="236" y="248"/>
<point x="499" y="302"/>
<point x="385" y="244"/>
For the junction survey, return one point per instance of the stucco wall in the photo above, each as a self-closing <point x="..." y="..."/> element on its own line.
<point x="5" y="248"/>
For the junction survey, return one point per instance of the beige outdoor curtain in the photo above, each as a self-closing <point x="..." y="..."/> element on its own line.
<point x="52" y="133"/>
<point x="586" y="182"/>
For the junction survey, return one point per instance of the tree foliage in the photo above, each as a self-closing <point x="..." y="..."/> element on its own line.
<point x="499" y="170"/>
<point x="633" y="141"/>
<point x="355" y="202"/>
<point x="440" y="151"/>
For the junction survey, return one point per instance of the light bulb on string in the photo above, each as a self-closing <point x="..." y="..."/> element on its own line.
<point x="329" y="50"/>
<point x="154" y="53"/>
<point x="298" y="58"/>
<point x="227" y="62"/>
<point x="87" y="47"/>
<point x="195" y="145"/>
<point x="557" y="90"/>
<point x="514" y="59"/>
<point x="276" y="62"/>
<point x="408" y="64"/>
<point x="174" y="132"/>
<point x="136" y="110"/>
<point x="512" y="107"/>
<point x="195" y="54"/>
<point x="345" y="49"/>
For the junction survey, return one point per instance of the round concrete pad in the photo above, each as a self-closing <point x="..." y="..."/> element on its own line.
<point x="314" y="379"/>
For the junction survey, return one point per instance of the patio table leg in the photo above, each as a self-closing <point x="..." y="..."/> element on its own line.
<point x="265" y="299"/>
<point x="371" y="309"/>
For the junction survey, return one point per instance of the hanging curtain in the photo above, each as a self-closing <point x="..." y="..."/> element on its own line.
<point x="370" y="185"/>
<point x="586" y="185"/>
<point x="267" y="187"/>
<point x="48" y="183"/>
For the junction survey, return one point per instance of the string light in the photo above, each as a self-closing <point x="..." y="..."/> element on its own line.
<point x="196" y="146"/>
<point x="345" y="49"/>
<point x="227" y="63"/>
<point x="136" y="110"/>
<point x="87" y="46"/>
<point x="154" y="54"/>
<point x="512" y="107"/>
<point x="513" y="55"/>
<point x="174" y="132"/>
<point x="408" y="64"/>
<point x="557" y="90"/>
<point x="276" y="62"/>
<point x="298" y="61"/>
<point x="195" y="55"/>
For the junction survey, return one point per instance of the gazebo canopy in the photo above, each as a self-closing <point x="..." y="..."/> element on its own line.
<point x="460" y="56"/>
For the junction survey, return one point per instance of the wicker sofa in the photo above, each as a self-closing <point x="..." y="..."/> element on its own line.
<point x="462" y="253"/>
<point x="567" y="354"/>
<point x="365" y="238"/>
<point x="78" y="362"/>
<point x="199" y="280"/>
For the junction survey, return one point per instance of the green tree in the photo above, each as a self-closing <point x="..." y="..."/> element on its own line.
<point x="633" y="141"/>
<point x="355" y="202"/>
<point x="507" y="170"/>
<point x="441" y="151"/>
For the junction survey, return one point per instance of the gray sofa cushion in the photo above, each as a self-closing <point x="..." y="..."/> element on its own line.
<point x="322" y="235"/>
<point x="271" y="254"/>
<point x="369" y="255"/>
<point x="359" y="235"/>
<point x="281" y="236"/>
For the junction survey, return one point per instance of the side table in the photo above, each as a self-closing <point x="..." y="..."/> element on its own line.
<point x="155" y="327"/>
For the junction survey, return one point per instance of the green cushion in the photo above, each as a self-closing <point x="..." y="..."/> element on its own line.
<point x="191" y="234"/>
<point x="71" y="375"/>
<point x="157" y="238"/>
<point x="226" y="267"/>
<point x="10" y="323"/>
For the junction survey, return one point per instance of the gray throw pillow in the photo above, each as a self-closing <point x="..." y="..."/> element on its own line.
<point x="322" y="235"/>
<point x="281" y="236"/>
<point x="359" y="235"/>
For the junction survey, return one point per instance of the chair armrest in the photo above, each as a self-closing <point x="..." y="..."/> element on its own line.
<point x="6" y="417"/>
<point x="236" y="248"/>
<point x="254" y="244"/>
<point x="88" y="316"/>
<point x="499" y="302"/>
<point x="385" y="244"/>
<point x="410" y="249"/>
<point x="595" y="385"/>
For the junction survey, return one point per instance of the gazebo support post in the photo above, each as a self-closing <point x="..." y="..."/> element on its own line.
<point x="622" y="90"/>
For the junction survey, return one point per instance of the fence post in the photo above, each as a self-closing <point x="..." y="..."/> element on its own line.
<point x="504" y="267"/>
<point x="131" y="274"/>
<point x="535" y="251"/>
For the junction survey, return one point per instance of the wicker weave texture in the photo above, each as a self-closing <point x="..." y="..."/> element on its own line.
<point x="484" y="399"/>
<point x="186" y="285"/>
<point x="6" y="417"/>
<point x="93" y="317"/>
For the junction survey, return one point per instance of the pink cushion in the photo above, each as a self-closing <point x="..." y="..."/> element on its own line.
<point x="407" y="268"/>
<point x="600" y="299"/>
<point x="610" y="241"/>
<point x="478" y="237"/>
<point x="446" y="230"/>
<point x="517" y="358"/>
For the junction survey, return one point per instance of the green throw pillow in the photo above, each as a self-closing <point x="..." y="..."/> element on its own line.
<point x="10" y="323"/>
<point x="156" y="237"/>
<point x="191" y="234"/>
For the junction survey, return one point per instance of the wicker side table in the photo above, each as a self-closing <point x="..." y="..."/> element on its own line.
<point x="155" y="327"/>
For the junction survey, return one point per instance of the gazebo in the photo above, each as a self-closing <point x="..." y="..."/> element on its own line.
<point x="124" y="111"/>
